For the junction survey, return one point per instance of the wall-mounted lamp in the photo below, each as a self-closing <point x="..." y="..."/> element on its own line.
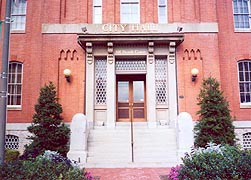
<point x="67" y="74"/>
<point x="194" y="73"/>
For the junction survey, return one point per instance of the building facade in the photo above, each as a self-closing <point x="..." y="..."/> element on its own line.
<point x="130" y="61"/>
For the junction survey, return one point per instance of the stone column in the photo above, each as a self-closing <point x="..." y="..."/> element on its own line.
<point x="89" y="84"/>
<point x="150" y="86"/>
<point x="111" y="87"/>
<point x="172" y="84"/>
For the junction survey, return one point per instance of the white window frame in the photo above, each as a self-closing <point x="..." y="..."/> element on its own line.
<point x="244" y="83"/>
<point x="97" y="17"/>
<point x="17" y="15"/>
<point x="13" y="86"/>
<point x="125" y="20"/>
<point x="164" y="6"/>
<point x="239" y="14"/>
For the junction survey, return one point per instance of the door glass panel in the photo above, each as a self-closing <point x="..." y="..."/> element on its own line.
<point x="138" y="91"/>
<point x="123" y="91"/>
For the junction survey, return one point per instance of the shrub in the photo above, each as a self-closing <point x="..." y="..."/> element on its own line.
<point x="11" y="155"/>
<point x="48" y="131"/>
<point x="216" y="162"/>
<point x="51" y="166"/>
<point x="215" y="123"/>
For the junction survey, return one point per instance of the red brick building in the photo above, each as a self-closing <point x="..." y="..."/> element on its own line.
<point x="129" y="56"/>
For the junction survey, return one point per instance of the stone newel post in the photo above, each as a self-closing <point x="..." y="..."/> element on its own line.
<point x="185" y="134"/>
<point x="78" y="140"/>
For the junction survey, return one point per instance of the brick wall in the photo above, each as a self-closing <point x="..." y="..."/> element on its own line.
<point x="46" y="56"/>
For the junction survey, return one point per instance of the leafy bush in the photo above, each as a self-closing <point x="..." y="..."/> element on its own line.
<point x="216" y="162"/>
<point x="11" y="155"/>
<point x="51" y="166"/>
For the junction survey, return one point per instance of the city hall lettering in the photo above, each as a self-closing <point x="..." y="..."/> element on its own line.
<point x="150" y="27"/>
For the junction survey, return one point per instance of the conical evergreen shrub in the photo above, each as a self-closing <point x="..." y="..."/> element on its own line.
<point x="48" y="131"/>
<point x="215" y="124"/>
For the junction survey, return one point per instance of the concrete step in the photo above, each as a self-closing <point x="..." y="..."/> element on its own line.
<point x="113" y="146"/>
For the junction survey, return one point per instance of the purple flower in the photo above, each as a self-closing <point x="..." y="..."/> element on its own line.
<point x="173" y="175"/>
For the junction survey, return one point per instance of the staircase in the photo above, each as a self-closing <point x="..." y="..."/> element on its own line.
<point x="153" y="147"/>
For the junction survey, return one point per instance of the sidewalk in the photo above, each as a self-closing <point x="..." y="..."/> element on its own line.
<point x="129" y="173"/>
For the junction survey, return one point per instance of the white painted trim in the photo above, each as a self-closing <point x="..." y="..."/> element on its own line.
<point x="242" y="124"/>
<point x="21" y="126"/>
<point x="17" y="126"/>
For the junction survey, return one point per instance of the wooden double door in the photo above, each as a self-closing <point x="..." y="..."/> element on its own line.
<point x="131" y="98"/>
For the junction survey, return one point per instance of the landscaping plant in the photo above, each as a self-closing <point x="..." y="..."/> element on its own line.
<point x="11" y="155"/>
<point x="51" y="165"/>
<point x="215" y="124"/>
<point x="48" y="131"/>
<point x="216" y="162"/>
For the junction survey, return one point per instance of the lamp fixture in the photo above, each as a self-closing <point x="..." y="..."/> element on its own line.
<point x="194" y="73"/>
<point x="67" y="74"/>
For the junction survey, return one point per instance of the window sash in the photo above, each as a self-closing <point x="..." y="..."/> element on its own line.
<point x="242" y="14"/>
<point x="15" y="84"/>
<point x="18" y="14"/>
<point x="97" y="12"/>
<point x="244" y="69"/>
<point x="129" y="11"/>
<point x="162" y="11"/>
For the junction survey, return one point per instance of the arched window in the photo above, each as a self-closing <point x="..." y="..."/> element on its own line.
<point x="244" y="68"/>
<point x="11" y="142"/>
<point x="15" y="84"/>
<point x="247" y="140"/>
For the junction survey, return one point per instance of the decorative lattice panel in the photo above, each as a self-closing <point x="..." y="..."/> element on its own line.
<point x="100" y="81"/>
<point x="11" y="142"/>
<point x="247" y="140"/>
<point x="161" y="80"/>
<point x="130" y="66"/>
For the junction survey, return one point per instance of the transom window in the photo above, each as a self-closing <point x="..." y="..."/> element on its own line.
<point x="162" y="11"/>
<point x="97" y="11"/>
<point x="18" y="14"/>
<point x="129" y="11"/>
<point x="244" y="68"/>
<point x="242" y="15"/>
<point x="15" y="84"/>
